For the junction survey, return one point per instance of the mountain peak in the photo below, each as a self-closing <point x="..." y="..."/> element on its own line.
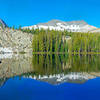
<point x="55" y="20"/>
<point x="52" y="22"/>
<point x="78" y="22"/>
<point x="71" y="26"/>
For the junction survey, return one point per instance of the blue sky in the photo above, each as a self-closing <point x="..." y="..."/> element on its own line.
<point x="29" y="12"/>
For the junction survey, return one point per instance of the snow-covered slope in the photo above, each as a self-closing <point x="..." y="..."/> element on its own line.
<point x="73" y="26"/>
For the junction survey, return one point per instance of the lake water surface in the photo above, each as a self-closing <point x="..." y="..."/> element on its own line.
<point x="50" y="77"/>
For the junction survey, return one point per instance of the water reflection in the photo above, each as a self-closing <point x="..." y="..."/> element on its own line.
<point x="6" y="55"/>
<point x="57" y="69"/>
<point x="14" y="66"/>
<point x="50" y="77"/>
<point x="54" y="69"/>
<point x="30" y="89"/>
<point x="53" y="64"/>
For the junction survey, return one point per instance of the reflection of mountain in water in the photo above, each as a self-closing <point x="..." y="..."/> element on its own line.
<point x="63" y="68"/>
<point x="74" y="77"/>
<point x="54" y="69"/>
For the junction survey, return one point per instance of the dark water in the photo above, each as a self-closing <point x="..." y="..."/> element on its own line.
<point x="50" y="77"/>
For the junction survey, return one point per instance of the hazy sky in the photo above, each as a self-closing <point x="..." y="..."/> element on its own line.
<point x="29" y="12"/>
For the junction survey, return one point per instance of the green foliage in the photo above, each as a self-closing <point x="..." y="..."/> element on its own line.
<point x="19" y="27"/>
<point x="13" y="27"/>
<point x="56" y="41"/>
<point x="1" y="25"/>
<point x="32" y="31"/>
<point x="85" y="42"/>
<point x="49" y="41"/>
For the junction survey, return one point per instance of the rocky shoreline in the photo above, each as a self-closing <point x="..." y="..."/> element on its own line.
<point x="15" y="41"/>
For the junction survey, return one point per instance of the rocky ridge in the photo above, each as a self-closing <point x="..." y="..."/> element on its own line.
<point x="2" y="23"/>
<point x="15" y="41"/>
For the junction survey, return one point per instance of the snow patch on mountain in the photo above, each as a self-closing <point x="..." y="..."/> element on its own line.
<point x="73" y="26"/>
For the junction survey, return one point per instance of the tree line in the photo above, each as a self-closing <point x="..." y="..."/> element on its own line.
<point x="64" y="41"/>
<point x="49" y="41"/>
<point x="85" y="42"/>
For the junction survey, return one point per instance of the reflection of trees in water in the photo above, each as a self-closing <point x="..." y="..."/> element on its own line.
<point x="49" y="64"/>
<point x="85" y="63"/>
<point x="55" y="64"/>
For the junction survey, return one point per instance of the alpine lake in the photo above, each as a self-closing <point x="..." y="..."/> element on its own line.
<point x="49" y="77"/>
